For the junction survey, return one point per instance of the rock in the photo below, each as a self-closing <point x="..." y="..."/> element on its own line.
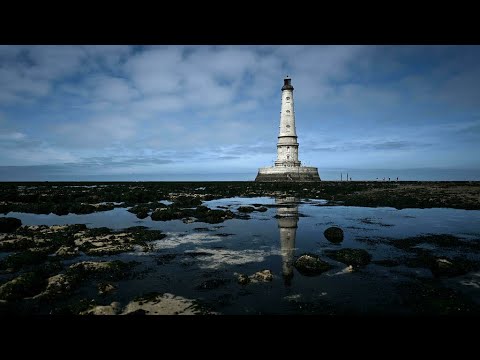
<point x="140" y="210"/>
<point x="264" y="275"/>
<point x="22" y="286"/>
<point x="355" y="257"/>
<point x="113" y="309"/>
<point x="246" y="209"/>
<point x="261" y="209"/>
<point x="103" y="242"/>
<point x="142" y="234"/>
<point x="243" y="279"/>
<point x="112" y="270"/>
<point x="189" y="220"/>
<point x="260" y="276"/>
<point x="9" y="224"/>
<point x="30" y="257"/>
<point x="60" y="284"/>
<point x="212" y="216"/>
<point x="142" y="214"/>
<point x="186" y="201"/>
<point x="169" y="213"/>
<point x="101" y="231"/>
<point x="107" y="250"/>
<point x="67" y="252"/>
<point x="166" y="304"/>
<point x="138" y="312"/>
<point x="452" y="267"/>
<point x="311" y="265"/>
<point x="334" y="234"/>
<point x="60" y="209"/>
<point x="104" y="288"/>
<point x="92" y="266"/>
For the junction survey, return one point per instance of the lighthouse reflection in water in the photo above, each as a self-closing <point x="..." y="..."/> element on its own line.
<point x="287" y="215"/>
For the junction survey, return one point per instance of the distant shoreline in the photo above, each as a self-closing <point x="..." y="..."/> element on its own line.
<point x="63" y="182"/>
<point x="46" y="197"/>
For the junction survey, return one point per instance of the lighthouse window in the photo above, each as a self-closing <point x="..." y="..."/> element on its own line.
<point x="288" y="147"/>
<point x="288" y="126"/>
<point x="288" y="97"/>
<point x="288" y="111"/>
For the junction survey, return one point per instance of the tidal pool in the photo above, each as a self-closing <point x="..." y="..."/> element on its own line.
<point x="202" y="261"/>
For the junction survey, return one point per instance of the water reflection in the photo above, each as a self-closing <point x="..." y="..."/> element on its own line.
<point x="287" y="215"/>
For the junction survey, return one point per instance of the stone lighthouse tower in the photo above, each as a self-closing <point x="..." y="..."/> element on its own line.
<point x="287" y="166"/>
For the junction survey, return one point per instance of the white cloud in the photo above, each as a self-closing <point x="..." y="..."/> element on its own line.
<point x="96" y="132"/>
<point x="156" y="71"/>
<point x="111" y="89"/>
<point x="12" y="136"/>
<point x="17" y="148"/>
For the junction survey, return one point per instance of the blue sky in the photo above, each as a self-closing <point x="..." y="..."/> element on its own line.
<point x="212" y="112"/>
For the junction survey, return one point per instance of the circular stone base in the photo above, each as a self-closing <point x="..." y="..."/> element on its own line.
<point x="288" y="174"/>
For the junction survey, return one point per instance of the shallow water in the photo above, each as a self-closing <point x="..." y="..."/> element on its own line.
<point x="213" y="253"/>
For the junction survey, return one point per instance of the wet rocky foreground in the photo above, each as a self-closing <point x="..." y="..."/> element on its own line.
<point x="239" y="248"/>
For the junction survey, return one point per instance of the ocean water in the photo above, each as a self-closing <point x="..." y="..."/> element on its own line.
<point x="422" y="174"/>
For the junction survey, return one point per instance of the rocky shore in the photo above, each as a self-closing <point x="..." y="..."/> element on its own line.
<point x="143" y="198"/>
<point x="79" y="269"/>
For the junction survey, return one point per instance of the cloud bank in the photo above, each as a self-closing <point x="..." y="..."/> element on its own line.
<point x="150" y="112"/>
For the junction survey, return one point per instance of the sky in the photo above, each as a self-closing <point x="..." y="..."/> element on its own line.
<point x="212" y="112"/>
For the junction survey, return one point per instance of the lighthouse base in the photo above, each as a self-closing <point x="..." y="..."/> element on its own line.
<point x="288" y="174"/>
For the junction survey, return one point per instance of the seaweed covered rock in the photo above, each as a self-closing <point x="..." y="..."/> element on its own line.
<point x="112" y="270"/>
<point x="170" y="213"/>
<point x="262" y="276"/>
<point x="186" y="201"/>
<point x="311" y="265"/>
<point x="66" y="252"/>
<point x="200" y="213"/>
<point x="355" y="257"/>
<point x="212" y="216"/>
<point x="163" y="304"/>
<point x="77" y="208"/>
<point x="25" y="285"/>
<point x="243" y="279"/>
<point x="103" y="241"/>
<point x="259" y="276"/>
<point x="246" y="209"/>
<point x="64" y="284"/>
<point x="61" y="209"/>
<point x="447" y="267"/>
<point x="140" y="210"/>
<point x="113" y="309"/>
<point x="9" y="224"/>
<point x="105" y="288"/>
<point x="60" y="284"/>
<point x="18" y="260"/>
<point x="334" y="234"/>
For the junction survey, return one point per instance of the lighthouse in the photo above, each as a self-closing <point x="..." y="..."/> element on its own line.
<point x="287" y="166"/>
